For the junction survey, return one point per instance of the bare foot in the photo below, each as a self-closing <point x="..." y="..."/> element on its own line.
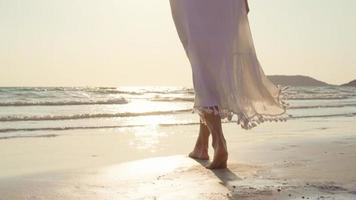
<point x="220" y="159"/>
<point x="199" y="154"/>
<point x="202" y="144"/>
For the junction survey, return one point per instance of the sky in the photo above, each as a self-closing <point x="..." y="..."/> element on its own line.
<point x="134" y="42"/>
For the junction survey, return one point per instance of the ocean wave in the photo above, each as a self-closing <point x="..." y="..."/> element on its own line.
<point x="59" y="128"/>
<point x="322" y="106"/>
<point x="317" y="98"/>
<point x="325" y="116"/>
<point x="65" y="103"/>
<point x="7" y="130"/>
<point x="77" y="128"/>
<point x="26" y="136"/>
<point x="141" y="91"/>
<point x="114" y="91"/>
<point x="14" y="118"/>
<point x="190" y="99"/>
<point x="85" y="116"/>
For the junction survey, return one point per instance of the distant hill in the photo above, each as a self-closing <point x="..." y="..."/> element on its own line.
<point x="296" y="80"/>
<point x="351" y="83"/>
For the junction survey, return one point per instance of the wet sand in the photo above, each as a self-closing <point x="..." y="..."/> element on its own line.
<point x="300" y="159"/>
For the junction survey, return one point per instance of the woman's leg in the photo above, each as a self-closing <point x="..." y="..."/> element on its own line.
<point x="202" y="144"/>
<point x="219" y="144"/>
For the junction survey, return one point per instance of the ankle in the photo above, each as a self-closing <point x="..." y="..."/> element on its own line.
<point x="201" y="148"/>
<point x="219" y="144"/>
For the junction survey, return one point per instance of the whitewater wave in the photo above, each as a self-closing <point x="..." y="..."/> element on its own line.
<point x="189" y="99"/>
<point x="75" y="128"/>
<point x="86" y="116"/>
<point x="317" y="97"/>
<point x="141" y="91"/>
<point x="136" y="125"/>
<point x="323" y="106"/>
<point x="12" y="118"/>
<point x="66" y="103"/>
<point x="325" y="116"/>
<point x="26" y="136"/>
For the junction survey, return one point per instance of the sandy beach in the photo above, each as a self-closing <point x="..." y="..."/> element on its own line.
<point x="301" y="159"/>
<point x="104" y="100"/>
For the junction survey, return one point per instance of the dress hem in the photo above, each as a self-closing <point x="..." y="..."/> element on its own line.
<point x="247" y="122"/>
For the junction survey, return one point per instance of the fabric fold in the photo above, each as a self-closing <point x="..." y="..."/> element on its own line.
<point x="228" y="79"/>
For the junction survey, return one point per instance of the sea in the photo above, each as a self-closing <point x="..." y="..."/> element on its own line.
<point x="31" y="111"/>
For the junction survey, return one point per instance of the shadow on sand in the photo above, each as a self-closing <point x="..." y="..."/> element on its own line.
<point x="225" y="175"/>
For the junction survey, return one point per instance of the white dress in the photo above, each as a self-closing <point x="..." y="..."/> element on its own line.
<point x="227" y="76"/>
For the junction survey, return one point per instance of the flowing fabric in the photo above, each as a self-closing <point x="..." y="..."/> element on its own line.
<point x="227" y="76"/>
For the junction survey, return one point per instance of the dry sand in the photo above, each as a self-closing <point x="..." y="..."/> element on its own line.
<point x="310" y="159"/>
